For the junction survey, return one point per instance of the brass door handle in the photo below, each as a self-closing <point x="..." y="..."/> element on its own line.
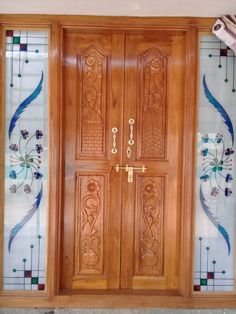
<point x="130" y="170"/>
<point x="114" y="132"/>
<point x="131" y="136"/>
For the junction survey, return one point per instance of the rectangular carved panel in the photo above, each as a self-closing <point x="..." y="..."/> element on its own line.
<point x="152" y="119"/>
<point x="89" y="215"/>
<point x="149" y="225"/>
<point x="92" y="67"/>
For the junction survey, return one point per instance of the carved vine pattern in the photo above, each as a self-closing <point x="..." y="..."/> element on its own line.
<point x="151" y="229"/>
<point x="94" y="67"/>
<point x="91" y="229"/>
<point x="153" y="91"/>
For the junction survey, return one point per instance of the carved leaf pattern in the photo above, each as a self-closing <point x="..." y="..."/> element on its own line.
<point x="153" y="90"/>
<point x="151" y="238"/>
<point x="91" y="225"/>
<point x="94" y="68"/>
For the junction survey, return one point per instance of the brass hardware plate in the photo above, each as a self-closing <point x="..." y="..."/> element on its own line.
<point x="130" y="170"/>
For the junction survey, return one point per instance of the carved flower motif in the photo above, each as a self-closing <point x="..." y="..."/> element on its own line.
<point x="90" y="61"/>
<point x="156" y="64"/>
<point x="93" y="186"/>
<point x="149" y="188"/>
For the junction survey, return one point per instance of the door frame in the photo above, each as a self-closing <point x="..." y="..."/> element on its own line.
<point x="185" y="299"/>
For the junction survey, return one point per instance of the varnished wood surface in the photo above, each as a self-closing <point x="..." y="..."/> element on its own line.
<point x="183" y="298"/>
<point x="151" y="204"/>
<point x="108" y="21"/>
<point x="92" y="84"/>
<point x="152" y="66"/>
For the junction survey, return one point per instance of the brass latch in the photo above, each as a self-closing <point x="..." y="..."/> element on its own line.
<point x="130" y="170"/>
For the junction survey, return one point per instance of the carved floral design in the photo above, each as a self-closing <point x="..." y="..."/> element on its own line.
<point x="151" y="230"/>
<point x="90" y="247"/>
<point x="153" y="90"/>
<point x="93" y="71"/>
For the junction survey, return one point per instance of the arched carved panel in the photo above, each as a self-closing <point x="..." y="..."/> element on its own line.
<point x="89" y="240"/>
<point x="152" y="114"/>
<point x="92" y="66"/>
<point x="149" y="226"/>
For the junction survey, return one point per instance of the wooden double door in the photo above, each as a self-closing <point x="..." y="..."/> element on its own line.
<point x="118" y="234"/>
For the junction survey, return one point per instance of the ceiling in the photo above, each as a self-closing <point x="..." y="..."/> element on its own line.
<point x="204" y="8"/>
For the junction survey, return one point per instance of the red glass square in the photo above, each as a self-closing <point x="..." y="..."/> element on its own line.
<point x="197" y="288"/>
<point x="28" y="273"/>
<point x="9" y="33"/>
<point x="41" y="286"/>
<point x="210" y="275"/>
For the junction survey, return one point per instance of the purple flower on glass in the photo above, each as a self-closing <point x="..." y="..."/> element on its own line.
<point x="38" y="175"/>
<point x="228" y="191"/>
<point x="229" y="151"/>
<point x="13" y="147"/>
<point x="204" y="152"/>
<point x="215" y="191"/>
<point x="38" y="134"/>
<point x="219" y="138"/>
<point x="27" y="188"/>
<point x="39" y="148"/>
<point x="24" y="134"/>
<point x="12" y="174"/>
<point x="12" y="188"/>
<point x="229" y="178"/>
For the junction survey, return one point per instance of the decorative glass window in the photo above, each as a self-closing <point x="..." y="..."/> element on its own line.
<point x="215" y="188"/>
<point x="26" y="166"/>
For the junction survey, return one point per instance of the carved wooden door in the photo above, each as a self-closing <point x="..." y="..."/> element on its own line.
<point x="119" y="234"/>
<point x="92" y="107"/>
<point x="154" y="81"/>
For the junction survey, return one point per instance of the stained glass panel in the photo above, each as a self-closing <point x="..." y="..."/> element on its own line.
<point x="215" y="188"/>
<point x="26" y="149"/>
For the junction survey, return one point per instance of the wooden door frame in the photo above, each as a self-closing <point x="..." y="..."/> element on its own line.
<point x="185" y="299"/>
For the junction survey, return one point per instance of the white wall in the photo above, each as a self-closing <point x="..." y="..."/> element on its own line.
<point x="121" y="7"/>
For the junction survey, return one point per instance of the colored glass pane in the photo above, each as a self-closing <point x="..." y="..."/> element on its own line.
<point x="26" y="167"/>
<point x="16" y="39"/>
<point x="215" y="185"/>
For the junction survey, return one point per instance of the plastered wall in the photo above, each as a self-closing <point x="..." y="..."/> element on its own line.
<point x="121" y="7"/>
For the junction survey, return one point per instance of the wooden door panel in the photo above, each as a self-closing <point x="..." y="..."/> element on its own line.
<point x="149" y="225"/>
<point x="154" y="71"/>
<point x="92" y="104"/>
<point x="92" y="84"/>
<point x="151" y="114"/>
<point x="118" y="234"/>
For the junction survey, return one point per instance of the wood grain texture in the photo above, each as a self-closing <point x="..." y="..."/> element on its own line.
<point x="108" y="22"/>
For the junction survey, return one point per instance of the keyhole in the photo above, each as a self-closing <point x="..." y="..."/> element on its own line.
<point x="129" y="152"/>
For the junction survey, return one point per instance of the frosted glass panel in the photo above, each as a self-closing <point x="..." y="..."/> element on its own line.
<point x="26" y="145"/>
<point x="215" y="188"/>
